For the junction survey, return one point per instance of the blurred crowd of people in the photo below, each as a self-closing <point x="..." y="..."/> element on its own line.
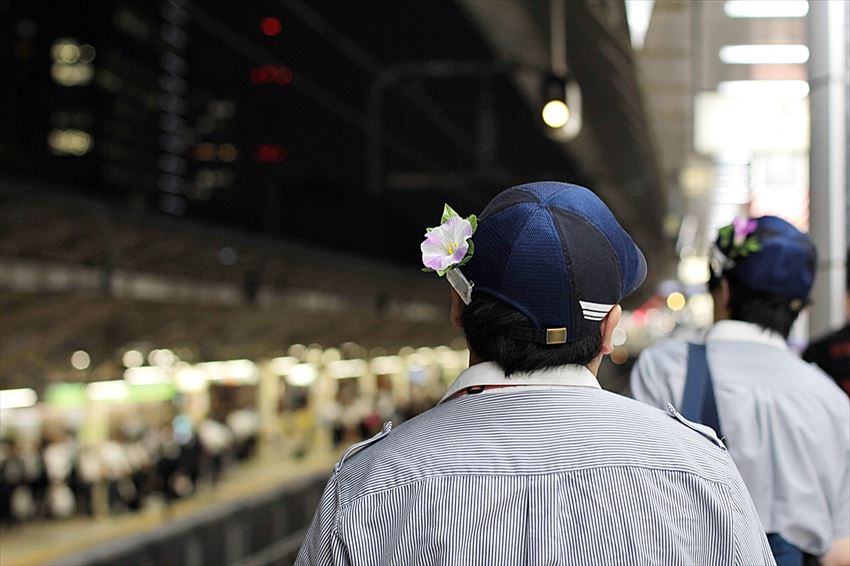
<point x="353" y="415"/>
<point x="147" y="462"/>
<point x="59" y="477"/>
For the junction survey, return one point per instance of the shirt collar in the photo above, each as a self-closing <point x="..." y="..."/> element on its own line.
<point x="738" y="331"/>
<point x="489" y="373"/>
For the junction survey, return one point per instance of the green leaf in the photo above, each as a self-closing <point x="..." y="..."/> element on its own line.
<point x="725" y="236"/>
<point x="427" y="270"/>
<point x="468" y="255"/>
<point x="448" y="212"/>
<point x="441" y="272"/>
<point x="752" y="245"/>
<point x="474" y="221"/>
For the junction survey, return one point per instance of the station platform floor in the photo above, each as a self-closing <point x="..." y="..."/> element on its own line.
<point x="42" y="542"/>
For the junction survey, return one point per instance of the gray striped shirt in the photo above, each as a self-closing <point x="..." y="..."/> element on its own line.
<point x="553" y="472"/>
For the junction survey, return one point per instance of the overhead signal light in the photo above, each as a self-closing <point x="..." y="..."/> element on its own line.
<point x="270" y="153"/>
<point x="270" y="26"/>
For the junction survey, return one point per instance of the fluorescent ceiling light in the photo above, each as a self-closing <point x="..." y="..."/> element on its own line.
<point x="281" y="366"/>
<point x="302" y="375"/>
<point x="764" y="54"/>
<point x="189" y="379"/>
<point x="638" y="16"/>
<point x="769" y="89"/>
<point x="146" y="375"/>
<point x="766" y="8"/>
<point x="17" y="398"/>
<point x="107" y="390"/>
<point x="239" y="370"/>
<point x="342" y="369"/>
<point x="386" y="365"/>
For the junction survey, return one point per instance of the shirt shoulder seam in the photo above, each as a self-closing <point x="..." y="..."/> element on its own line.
<point x="343" y="505"/>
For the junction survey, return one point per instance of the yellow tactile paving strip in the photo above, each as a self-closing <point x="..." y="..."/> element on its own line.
<point x="45" y="541"/>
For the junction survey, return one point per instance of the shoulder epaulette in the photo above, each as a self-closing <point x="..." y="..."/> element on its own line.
<point x="705" y="431"/>
<point x="354" y="448"/>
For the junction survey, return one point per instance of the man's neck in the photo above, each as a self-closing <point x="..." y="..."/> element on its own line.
<point x="592" y="367"/>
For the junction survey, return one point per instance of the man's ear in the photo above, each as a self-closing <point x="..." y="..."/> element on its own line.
<point x="606" y="328"/>
<point x="457" y="310"/>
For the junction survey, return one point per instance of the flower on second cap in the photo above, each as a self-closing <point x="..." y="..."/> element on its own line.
<point x="743" y="227"/>
<point x="448" y="245"/>
<point x="738" y="240"/>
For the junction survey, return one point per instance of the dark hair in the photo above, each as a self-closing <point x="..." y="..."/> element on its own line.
<point x="771" y="311"/>
<point x="486" y="323"/>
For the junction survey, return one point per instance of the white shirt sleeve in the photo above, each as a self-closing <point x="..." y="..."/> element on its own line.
<point x="841" y="503"/>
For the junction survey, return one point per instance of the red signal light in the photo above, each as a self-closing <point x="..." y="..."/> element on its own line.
<point x="270" y="153"/>
<point x="259" y="75"/>
<point x="270" y="26"/>
<point x="271" y="74"/>
<point x="283" y="75"/>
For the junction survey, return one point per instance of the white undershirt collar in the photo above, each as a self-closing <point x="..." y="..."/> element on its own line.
<point x="738" y="331"/>
<point x="488" y="373"/>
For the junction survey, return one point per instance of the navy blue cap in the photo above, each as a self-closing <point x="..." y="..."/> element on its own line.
<point x="556" y="253"/>
<point x="784" y="265"/>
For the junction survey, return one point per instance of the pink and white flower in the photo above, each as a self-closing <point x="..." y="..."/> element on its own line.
<point x="447" y="244"/>
<point x="742" y="227"/>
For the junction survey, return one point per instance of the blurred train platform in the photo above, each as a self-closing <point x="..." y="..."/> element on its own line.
<point x="81" y="540"/>
<point x="211" y="217"/>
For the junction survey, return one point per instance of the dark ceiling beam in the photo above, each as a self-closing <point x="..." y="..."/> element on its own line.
<point x="62" y="329"/>
<point x="360" y="56"/>
<point x="37" y="235"/>
<point x="28" y="313"/>
<point x="394" y="76"/>
<point x="295" y="264"/>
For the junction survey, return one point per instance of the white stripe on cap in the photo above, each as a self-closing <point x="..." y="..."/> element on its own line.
<point x="594" y="311"/>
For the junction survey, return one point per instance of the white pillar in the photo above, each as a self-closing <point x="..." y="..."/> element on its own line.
<point x="828" y="76"/>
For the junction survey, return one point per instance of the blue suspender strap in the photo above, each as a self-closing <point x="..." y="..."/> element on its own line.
<point x="693" y="398"/>
<point x="785" y="553"/>
<point x="698" y="402"/>
<point x="709" y="409"/>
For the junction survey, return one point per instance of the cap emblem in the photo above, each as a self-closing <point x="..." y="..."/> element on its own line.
<point x="594" y="311"/>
